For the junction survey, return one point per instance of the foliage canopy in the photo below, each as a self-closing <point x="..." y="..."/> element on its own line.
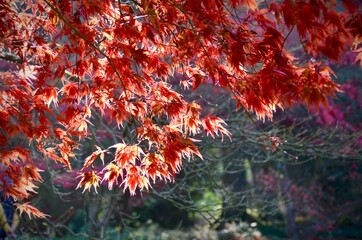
<point x="75" y="62"/>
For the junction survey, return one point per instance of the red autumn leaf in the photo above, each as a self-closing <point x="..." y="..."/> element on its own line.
<point x="173" y="159"/>
<point x="91" y="158"/>
<point x="88" y="179"/>
<point x="135" y="179"/>
<point x="112" y="174"/>
<point x="127" y="154"/>
<point x="214" y="126"/>
<point x="198" y="79"/>
<point x="192" y="120"/>
<point x="155" y="167"/>
<point x="50" y="95"/>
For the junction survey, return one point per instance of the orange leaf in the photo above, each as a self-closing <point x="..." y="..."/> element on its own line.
<point x="91" y="158"/>
<point x="135" y="179"/>
<point x="112" y="174"/>
<point x="251" y="4"/>
<point x="156" y="167"/>
<point x="89" y="179"/>
<point x="126" y="154"/>
<point x="30" y="210"/>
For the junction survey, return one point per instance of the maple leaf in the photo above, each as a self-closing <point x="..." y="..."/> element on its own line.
<point x="317" y="84"/>
<point x="188" y="148"/>
<point x="91" y="158"/>
<point x="50" y="95"/>
<point x="150" y="131"/>
<point x="173" y="159"/>
<point x="214" y="125"/>
<point x="112" y="174"/>
<point x="13" y="155"/>
<point x="135" y="179"/>
<point x="127" y="154"/>
<point x="29" y="171"/>
<point x="22" y="186"/>
<point x="198" y="79"/>
<point x="89" y="179"/>
<point x="70" y="90"/>
<point x="155" y="166"/>
<point x="192" y="120"/>
<point x="30" y="210"/>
